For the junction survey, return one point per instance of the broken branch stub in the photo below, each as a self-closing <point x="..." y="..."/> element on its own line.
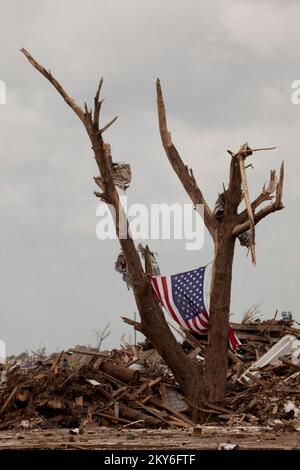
<point x="265" y="195"/>
<point x="265" y="211"/>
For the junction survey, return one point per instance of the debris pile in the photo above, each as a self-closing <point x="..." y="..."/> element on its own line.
<point x="133" y="387"/>
<point x="78" y="388"/>
<point x="268" y="369"/>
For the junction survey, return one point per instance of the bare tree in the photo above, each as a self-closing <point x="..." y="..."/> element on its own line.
<point x="199" y="383"/>
<point x="224" y="230"/>
<point x="39" y="353"/>
<point x="252" y="314"/>
<point x="101" y="335"/>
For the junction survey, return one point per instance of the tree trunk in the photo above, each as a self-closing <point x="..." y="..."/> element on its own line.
<point x="216" y="355"/>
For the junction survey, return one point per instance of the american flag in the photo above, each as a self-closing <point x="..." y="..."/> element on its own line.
<point x="182" y="296"/>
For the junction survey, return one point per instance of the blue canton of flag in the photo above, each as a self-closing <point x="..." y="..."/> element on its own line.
<point x="188" y="293"/>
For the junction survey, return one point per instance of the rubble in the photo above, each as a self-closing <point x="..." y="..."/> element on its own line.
<point x="263" y="399"/>
<point x="287" y="345"/>
<point x="75" y="388"/>
<point x="132" y="387"/>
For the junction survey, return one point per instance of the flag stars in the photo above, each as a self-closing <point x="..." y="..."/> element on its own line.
<point x="187" y="295"/>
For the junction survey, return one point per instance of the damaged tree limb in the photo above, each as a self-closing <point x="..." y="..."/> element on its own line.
<point x="242" y="157"/>
<point x="262" y="213"/>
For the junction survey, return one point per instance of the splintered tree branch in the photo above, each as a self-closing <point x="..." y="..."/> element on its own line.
<point x="148" y="261"/>
<point x="184" y="174"/>
<point x="107" y="125"/>
<point x="234" y="193"/>
<point x="244" y="183"/>
<point x="273" y="207"/>
<point x="97" y="104"/>
<point x="265" y="195"/>
<point x="137" y="326"/>
<point x="279" y="189"/>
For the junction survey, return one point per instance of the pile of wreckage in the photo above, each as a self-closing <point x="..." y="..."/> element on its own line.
<point x="133" y="387"/>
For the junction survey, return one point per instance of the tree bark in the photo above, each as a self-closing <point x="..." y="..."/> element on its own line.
<point x="216" y="359"/>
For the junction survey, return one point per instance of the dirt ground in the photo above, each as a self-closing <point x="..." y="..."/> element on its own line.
<point x="207" y="438"/>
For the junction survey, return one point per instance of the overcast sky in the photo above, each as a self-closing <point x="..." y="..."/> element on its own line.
<point x="226" y="69"/>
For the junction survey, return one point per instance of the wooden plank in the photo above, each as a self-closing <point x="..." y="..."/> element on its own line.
<point x="259" y="327"/>
<point x="257" y="380"/>
<point x="179" y="424"/>
<point x="272" y="326"/>
<point x="9" y="398"/>
<point x="168" y="408"/>
<point x="290" y="363"/>
<point x="153" y="412"/>
<point x="113" y="418"/>
<point x="88" y="353"/>
<point x="257" y="338"/>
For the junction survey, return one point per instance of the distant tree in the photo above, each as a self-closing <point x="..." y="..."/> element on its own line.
<point x="39" y="353"/>
<point x="23" y="355"/>
<point x="101" y="335"/>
